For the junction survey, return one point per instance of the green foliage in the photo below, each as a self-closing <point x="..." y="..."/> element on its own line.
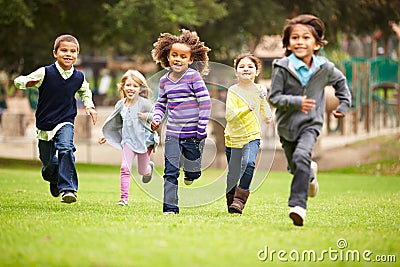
<point x="38" y="230"/>
<point x="129" y="27"/>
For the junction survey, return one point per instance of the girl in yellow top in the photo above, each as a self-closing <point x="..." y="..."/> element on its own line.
<point x="246" y="106"/>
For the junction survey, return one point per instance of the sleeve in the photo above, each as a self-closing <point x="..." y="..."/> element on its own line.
<point x="233" y="110"/>
<point x="265" y="109"/>
<point x="21" y="81"/>
<point x="342" y="91"/>
<point x="86" y="94"/>
<point x="148" y="109"/>
<point x="278" y="98"/>
<point x="204" y="102"/>
<point x="160" y="106"/>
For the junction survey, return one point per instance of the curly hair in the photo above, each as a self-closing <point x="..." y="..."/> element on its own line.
<point x="137" y="77"/>
<point x="314" y="24"/>
<point x="199" y="51"/>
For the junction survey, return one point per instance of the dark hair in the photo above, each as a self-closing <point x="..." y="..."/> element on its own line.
<point x="65" y="38"/>
<point x="316" y="26"/>
<point x="199" y="51"/>
<point x="250" y="56"/>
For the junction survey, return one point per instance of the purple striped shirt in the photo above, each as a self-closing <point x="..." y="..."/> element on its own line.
<point x="188" y="103"/>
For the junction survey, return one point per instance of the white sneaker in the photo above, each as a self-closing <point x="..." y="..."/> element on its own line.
<point x="68" y="197"/>
<point x="122" y="202"/>
<point x="297" y="214"/>
<point x="169" y="212"/>
<point x="313" y="186"/>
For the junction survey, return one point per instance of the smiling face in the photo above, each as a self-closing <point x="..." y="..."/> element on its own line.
<point x="246" y="70"/>
<point x="302" y="43"/>
<point x="66" y="54"/>
<point x="131" y="89"/>
<point x="179" y="58"/>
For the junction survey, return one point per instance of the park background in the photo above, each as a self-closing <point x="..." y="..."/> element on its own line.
<point x="116" y="35"/>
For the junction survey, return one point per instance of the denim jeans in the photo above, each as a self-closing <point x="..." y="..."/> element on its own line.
<point x="241" y="164"/>
<point x="60" y="168"/>
<point x="179" y="153"/>
<point x="298" y="156"/>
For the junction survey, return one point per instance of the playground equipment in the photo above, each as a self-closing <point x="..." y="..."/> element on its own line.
<point x="375" y="89"/>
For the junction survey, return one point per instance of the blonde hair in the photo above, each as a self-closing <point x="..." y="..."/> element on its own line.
<point x="137" y="77"/>
<point x="198" y="50"/>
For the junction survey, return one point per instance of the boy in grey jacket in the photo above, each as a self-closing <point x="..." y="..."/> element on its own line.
<point x="297" y="93"/>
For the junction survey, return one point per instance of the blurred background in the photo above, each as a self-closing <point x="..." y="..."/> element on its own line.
<point x="117" y="35"/>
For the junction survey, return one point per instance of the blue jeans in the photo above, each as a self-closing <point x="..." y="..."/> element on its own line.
<point x="179" y="153"/>
<point x="298" y="156"/>
<point x="60" y="168"/>
<point x="241" y="164"/>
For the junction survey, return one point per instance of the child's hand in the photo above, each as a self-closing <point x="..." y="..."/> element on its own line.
<point x="251" y="107"/>
<point x="307" y="104"/>
<point x="337" y="114"/>
<point x="268" y="120"/>
<point x="142" y="116"/>
<point x="155" y="125"/>
<point x="93" y="113"/>
<point x="102" y="140"/>
<point x="31" y="83"/>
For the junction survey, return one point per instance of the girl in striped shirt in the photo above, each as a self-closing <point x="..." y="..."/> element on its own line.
<point x="184" y="94"/>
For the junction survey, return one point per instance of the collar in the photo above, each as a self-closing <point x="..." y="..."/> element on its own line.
<point x="298" y="63"/>
<point x="64" y="72"/>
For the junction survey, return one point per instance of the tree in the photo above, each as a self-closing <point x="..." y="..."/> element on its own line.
<point x="132" y="26"/>
<point x="243" y="27"/>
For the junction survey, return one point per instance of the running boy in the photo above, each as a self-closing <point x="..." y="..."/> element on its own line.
<point x="183" y="92"/>
<point x="297" y="92"/>
<point x="55" y="114"/>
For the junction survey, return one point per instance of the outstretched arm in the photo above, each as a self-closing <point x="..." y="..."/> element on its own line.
<point x="33" y="80"/>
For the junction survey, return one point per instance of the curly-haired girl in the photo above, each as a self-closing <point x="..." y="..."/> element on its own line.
<point x="183" y="91"/>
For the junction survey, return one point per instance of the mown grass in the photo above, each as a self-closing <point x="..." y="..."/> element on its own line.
<point x="38" y="230"/>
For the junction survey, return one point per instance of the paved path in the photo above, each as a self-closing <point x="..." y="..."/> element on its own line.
<point x="331" y="151"/>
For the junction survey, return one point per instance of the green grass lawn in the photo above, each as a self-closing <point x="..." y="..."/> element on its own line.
<point x="360" y="211"/>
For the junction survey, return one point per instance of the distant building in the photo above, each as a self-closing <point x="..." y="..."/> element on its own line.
<point x="269" y="48"/>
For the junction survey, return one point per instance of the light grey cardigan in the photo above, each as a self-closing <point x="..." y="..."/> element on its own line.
<point x="112" y="127"/>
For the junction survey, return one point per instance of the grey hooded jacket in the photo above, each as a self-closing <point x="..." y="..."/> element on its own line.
<point x="287" y="93"/>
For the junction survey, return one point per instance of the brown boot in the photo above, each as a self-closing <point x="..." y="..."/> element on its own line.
<point x="239" y="200"/>
<point x="229" y="199"/>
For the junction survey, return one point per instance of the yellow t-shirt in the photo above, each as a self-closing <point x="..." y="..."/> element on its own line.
<point x="244" y="125"/>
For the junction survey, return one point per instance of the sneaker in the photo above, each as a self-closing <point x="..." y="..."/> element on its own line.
<point x="188" y="181"/>
<point x="122" y="202"/>
<point x="54" y="190"/>
<point x="297" y="214"/>
<point x="169" y="212"/>
<point x="313" y="187"/>
<point x="68" y="197"/>
<point x="146" y="178"/>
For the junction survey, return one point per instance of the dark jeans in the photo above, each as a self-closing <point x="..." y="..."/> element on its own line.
<point x="298" y="156"/>
<point x="58" y="161"/>
<point x="179" y="153"/>
<point x="241" y="164"/>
